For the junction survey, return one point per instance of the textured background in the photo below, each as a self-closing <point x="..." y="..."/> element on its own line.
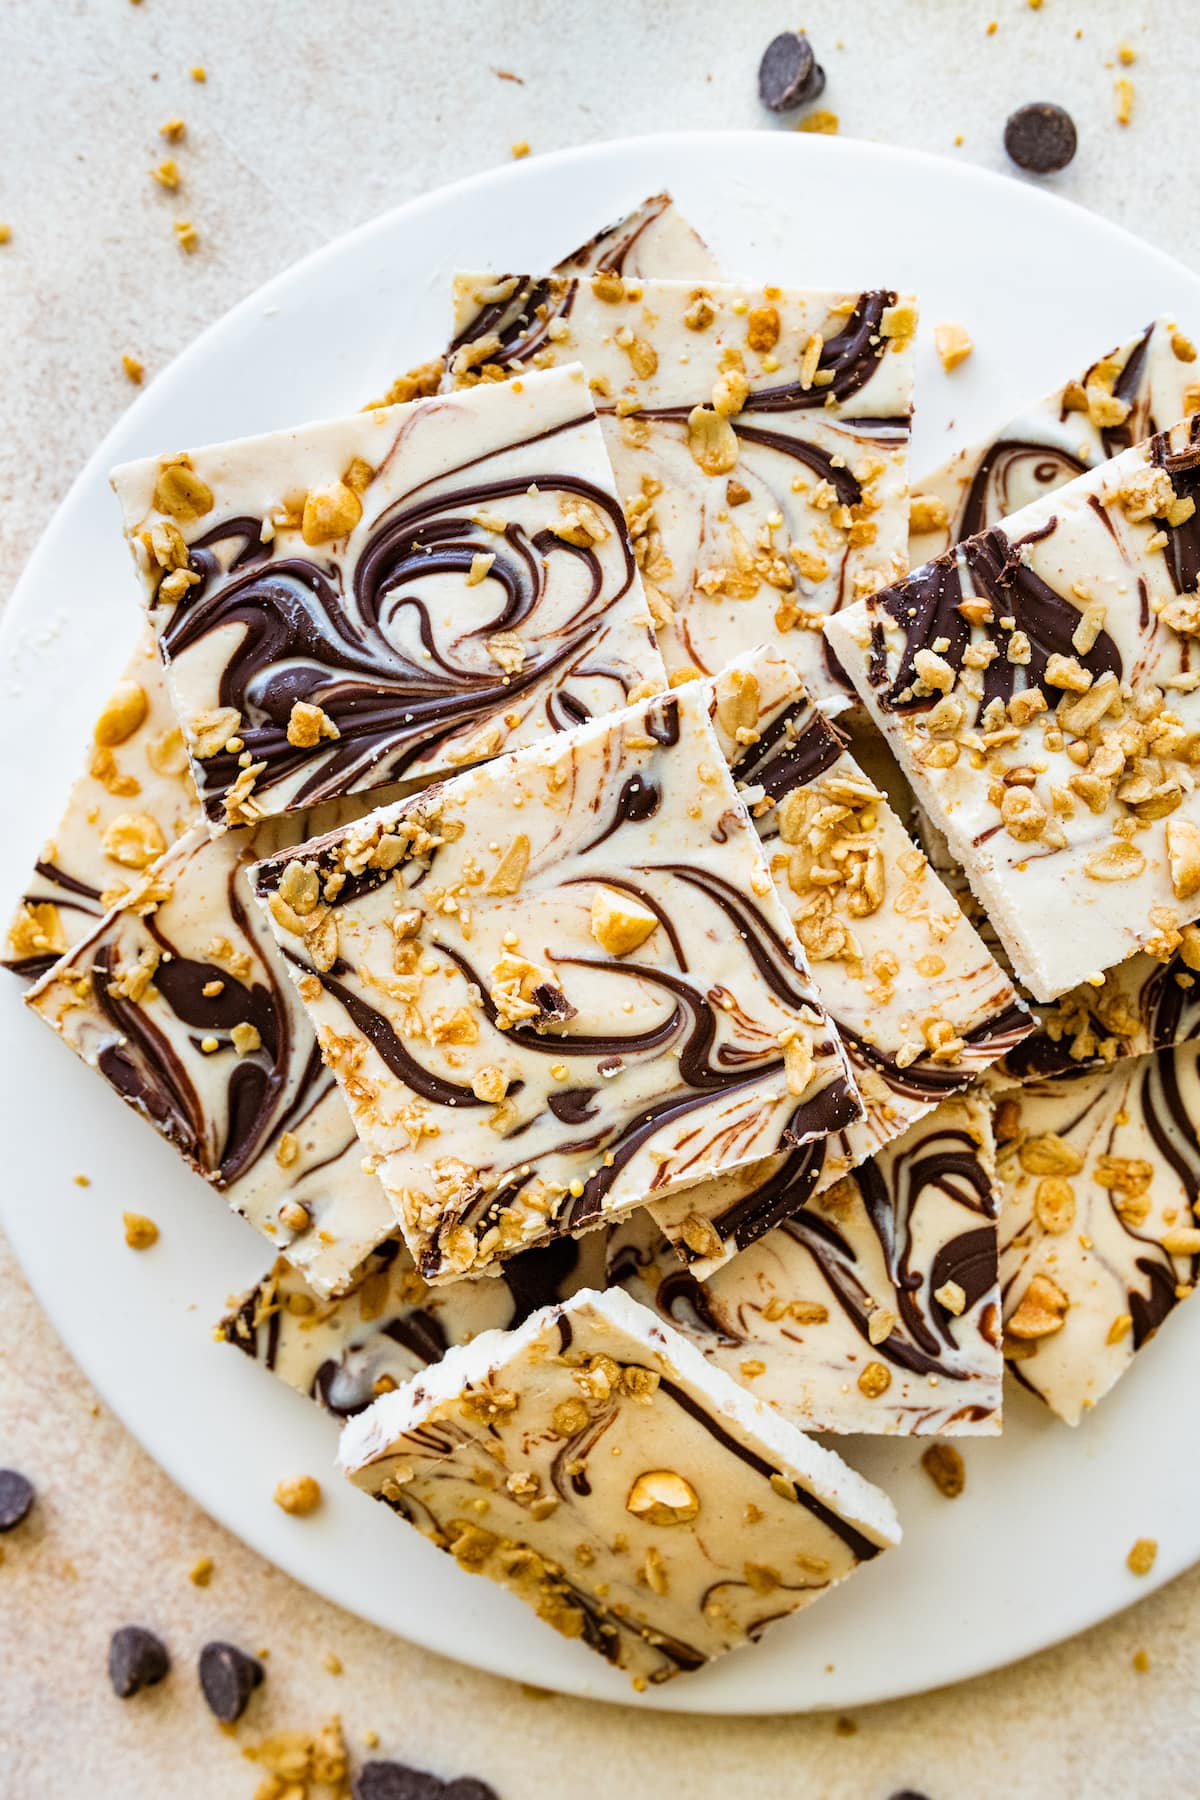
<point x="316" y="115"/>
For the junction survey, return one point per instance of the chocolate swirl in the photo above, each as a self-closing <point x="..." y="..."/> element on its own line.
<point x="373" y="659"/>
<point x="265" y="1092"/>
<point x="926" y="607"/>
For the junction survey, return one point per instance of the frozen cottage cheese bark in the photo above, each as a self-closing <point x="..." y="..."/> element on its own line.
<point x="874" y="1307"/>
<point x="133" y="799"/>
<point x="558" y="985"/>
<point x="1098" y="1236"/>
<point x="389" y="596"/>
<point x="596" y="1466"/>
<point x="920" y="1004"/>
<point x="758" y="435"/>
<point x="1131" y="393"/>
<point x="346" y="1351"/>
<point x="180" y="1001"/>
<point x="1037" y="685"/>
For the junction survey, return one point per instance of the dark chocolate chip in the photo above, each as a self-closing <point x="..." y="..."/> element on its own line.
<point x="1040" y="137"/>
<point x="396" y="1781"/>
<point x="907" y="1794"/>
<point x="16" y="1498"/>
<point x="228" y="1677"/>
<point x="136" y="1660"/>
<point x="789" y="74"/>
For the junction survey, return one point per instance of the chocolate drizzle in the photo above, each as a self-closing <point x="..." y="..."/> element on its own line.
<point x="299" y="637"/>
<point x="925" y="605"/>
<point x="989" y="498"/>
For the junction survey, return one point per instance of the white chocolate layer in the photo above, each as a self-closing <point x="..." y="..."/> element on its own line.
<point x="1145" y="1003"/>
<point x="558" y="985"/>
<point x="1037" y="687"/>
<point x="759" y="439"/>
<point x="1098" y="1235"/>
<point x="595" y="1465"/>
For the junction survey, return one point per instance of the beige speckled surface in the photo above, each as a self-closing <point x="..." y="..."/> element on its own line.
<point x="287" y="145"/>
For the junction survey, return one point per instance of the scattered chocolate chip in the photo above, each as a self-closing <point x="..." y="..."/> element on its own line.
<point x="16" y="1498"/>
<point x="228" y="1677"/>
<point x="1040" y="138"/>
<point x="907" y="1794"/>
<point x="789" y="74"/>
<point x="396" y="1781"/>
<point x="136" y="1660"/>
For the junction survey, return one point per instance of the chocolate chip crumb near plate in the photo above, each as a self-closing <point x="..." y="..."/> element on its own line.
<point x="228" y="1677"/>
<point x="136" y="1660"/>
<point x="789" y="74"/>
<point x="1040" y="137"/>
<point x="16" y="1497"/>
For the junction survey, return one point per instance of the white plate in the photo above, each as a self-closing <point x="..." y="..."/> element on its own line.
<point x="1035" y="1549"/>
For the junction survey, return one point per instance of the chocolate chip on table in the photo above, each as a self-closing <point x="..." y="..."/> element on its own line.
<point x="16" y="1498"/>
<point x="228" y="1677"/>
<point x="396" y="1781"/>
<point x="136" y="1660"/>
<point x="1040" y="137"/>
<point x="789" y="74"/>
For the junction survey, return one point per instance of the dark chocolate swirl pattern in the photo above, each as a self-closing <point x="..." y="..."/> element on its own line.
<point x="359" y="637"/>
<point x="925" y="606"/>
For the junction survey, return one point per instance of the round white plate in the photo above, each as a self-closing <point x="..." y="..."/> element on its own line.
<point x="1035" y="1548"/>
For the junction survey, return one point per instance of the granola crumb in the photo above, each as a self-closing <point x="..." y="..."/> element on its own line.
<point x="298" y="1495"/>
<point x="1126" y="55"/>
<point x="167" y="175"/>
<point x="520" y="148"/>
<point x="945" y="1468"/>
<point x="822" y="121"/>
<point x="1141" y="1558"/>
<point x="1141" y="1661"/>
<point x="201" y="1571"/>
<point x="844" y="1727"/>
<point x="82" y="1180"/>
<point x="1123" y="90"/>
<point x="140" y="1232"/>
<point x="333" y="1662"/>
<point x="199" y="73"/>
<point x="5" y="234"/>
<point x="172" y="130"/>
<point x="186" y="235"/>
<point x="371" y="1740"/>
<point x="133" y="369"/>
